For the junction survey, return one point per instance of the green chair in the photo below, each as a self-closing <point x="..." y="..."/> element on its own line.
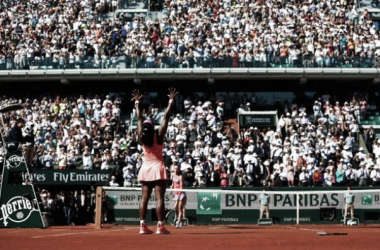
<point x="364" y="122"/>
<point x="371" y="118"/>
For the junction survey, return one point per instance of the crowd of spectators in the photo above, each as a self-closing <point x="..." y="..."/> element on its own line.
<point x="68" y="207"/>
<point x="88" y="132"/>
<point x="313" y="145"/>
<point x="187" y="34"/>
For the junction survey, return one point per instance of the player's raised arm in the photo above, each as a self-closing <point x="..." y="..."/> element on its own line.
<point x="136" y="97"/>
<point x="168" y="111"/>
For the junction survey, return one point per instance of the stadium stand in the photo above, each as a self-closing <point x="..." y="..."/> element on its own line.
<point x="89" y="131"/>
<point x="187" y="34"/>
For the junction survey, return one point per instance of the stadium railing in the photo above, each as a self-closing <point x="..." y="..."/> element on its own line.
<point x="226" y="61"/>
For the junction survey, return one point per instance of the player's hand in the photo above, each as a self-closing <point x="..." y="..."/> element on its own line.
<point x="172" y="93"/>
<point x="136" y="96"/>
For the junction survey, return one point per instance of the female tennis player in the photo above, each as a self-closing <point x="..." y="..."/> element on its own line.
<point x="152" y="173"/>
<point x="179" y="197"/>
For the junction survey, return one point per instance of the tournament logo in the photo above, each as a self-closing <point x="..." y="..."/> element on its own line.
<point x="18" y="209"/>
<point x="14" y="161"/>
<point x="367" y="199"/>
<point x="113" y="199"/>
<point x="209" y="203"/>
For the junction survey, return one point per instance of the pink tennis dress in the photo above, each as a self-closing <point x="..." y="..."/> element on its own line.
<point x="177" y="185"/>
<point x="153" y="167"/>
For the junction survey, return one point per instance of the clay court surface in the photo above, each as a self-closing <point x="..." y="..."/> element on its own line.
<point x="193" y="237"/>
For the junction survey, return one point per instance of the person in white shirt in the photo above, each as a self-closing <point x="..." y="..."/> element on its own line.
<point x="87" y="160"/>
<point x="328" y="176"/>
<point x="363" y="174"/>
<point x="113" y="182"/>
<point x="303" y="178"/>
<point x="375" y="176"/>
<point x="283" y="176"/>
<point x="62" y="160"/>
<point x="347" y="154"/>
<point x="351" y="175"/>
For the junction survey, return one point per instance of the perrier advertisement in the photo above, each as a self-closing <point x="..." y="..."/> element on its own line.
<point x="18" y="203"/>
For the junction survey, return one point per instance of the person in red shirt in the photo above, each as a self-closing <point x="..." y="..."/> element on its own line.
<point x="317" y="177"/>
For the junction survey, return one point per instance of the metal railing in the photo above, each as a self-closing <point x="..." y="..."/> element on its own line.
<point x="174" y="61"/>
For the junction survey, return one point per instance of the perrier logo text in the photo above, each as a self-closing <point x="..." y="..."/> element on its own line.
<point x="17" y="209"/>
<point x="14" y="161"/>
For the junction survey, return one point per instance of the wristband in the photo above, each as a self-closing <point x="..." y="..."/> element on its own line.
<point x="137" y="102"/>
<point x="170" y="101"/>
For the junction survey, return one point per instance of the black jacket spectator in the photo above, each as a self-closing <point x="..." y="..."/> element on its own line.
<point x="15" y="135"/>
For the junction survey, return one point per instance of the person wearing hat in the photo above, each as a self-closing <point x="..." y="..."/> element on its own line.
<point x="347" y="154"/>
<point x="363" y="175"/>
<point x="361" y="154"/>
<point x="152" y="174"/>
<point x="350" y="175"/>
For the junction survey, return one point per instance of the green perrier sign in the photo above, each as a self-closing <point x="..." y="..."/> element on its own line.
<point x="367" y="199"/>
<point x="209" y="203"/>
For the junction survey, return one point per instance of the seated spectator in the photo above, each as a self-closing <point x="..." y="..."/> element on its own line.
<point x="113" y="182"/>
<point x="129" y="177"/>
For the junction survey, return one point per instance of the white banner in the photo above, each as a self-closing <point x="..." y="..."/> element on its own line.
<point x="217" y="201"/>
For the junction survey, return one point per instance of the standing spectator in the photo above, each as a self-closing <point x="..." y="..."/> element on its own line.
<point x="349" y="199"/>
<point x="264" y="202"/>
<point x="62" y="160"/>
<point x="363" y="175"/>
<point x="87" y="160"/>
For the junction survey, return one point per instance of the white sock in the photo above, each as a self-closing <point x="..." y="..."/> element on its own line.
<point x="142" y="222"/>
<point x="160" y="223"/>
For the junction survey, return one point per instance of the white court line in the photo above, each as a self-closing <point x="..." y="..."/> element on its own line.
<point x="66" y="234"/>
<point x="58" y="235"/>
<point x="314" y="230"/>
<point x="306" y="229"/>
